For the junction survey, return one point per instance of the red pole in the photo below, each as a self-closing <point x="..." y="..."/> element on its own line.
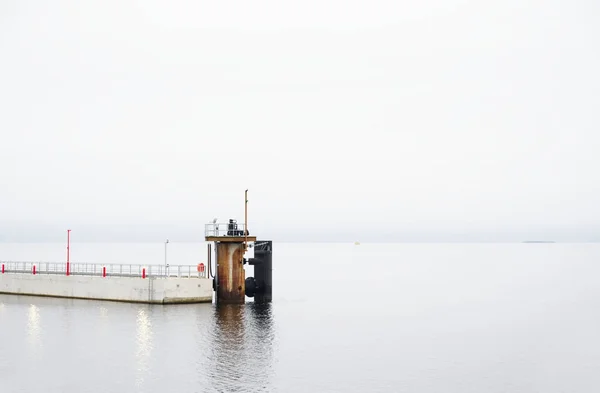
<point x="2" y="268"/>
<point x="34" y="270"/>
<point x="144" y="273"/>
<point x="68" y="249"/>
<point x="104" y="271"/>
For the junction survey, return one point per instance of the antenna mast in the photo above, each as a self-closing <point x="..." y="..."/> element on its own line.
<point x="246" y="220"/>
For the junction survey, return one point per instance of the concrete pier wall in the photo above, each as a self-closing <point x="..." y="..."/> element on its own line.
<point x="127" y="289"/>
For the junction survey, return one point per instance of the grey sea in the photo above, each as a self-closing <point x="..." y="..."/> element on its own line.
<point x="431" y="318"/>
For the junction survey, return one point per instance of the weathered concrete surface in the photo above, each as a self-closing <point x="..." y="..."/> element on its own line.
<point x="230" y="273"/>
<point x="126" y="289"/>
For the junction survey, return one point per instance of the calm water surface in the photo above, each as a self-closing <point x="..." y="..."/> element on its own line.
<point x="368" y="318"/>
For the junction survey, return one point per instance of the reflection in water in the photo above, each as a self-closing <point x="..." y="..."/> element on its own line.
<point x="144" y="344"/>
<point x="241" y="348"/>
<point x="103" y="321"/>
<point x="103" y="312"/>
<point x="33" y="328"/>
<point x="227" y="347"/>
<point x="262" y="319"/>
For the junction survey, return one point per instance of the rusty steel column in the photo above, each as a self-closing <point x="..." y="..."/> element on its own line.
<point x="230" y="273"/>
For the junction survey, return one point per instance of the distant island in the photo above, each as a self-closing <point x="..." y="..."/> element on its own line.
<point x="539" y="241"/>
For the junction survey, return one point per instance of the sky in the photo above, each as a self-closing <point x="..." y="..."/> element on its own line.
<point x="346" y="120"/>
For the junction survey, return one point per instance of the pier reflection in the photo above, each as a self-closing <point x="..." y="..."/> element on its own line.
<point x="103" y="312"/>
<point x="240" y="354"/>
<point x="34" y="329"/>
<point x="144" y="344"/>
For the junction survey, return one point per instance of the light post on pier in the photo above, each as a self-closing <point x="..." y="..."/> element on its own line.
<point x="166" y="265"/>
<point x="68" y="251"/>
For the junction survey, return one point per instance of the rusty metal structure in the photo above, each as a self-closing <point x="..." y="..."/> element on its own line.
<point x="231" y="242"/>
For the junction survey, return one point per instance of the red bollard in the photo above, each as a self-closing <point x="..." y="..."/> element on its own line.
<point x="34" y="270"/>
<point x="2" y="268"/>
<point x="144" y="273"/>
<point x="104" y="271"/>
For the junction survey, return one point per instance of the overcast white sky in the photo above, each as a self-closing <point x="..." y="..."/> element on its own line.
<point x="423" y="120"/>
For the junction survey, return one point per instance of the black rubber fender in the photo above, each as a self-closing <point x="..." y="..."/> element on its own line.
<point x="250" y="286"/>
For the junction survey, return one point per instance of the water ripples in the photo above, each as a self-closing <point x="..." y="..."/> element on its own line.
<point x="241" y="353"/>
<point x="33" y="329"/>
<point x="144" y="345"/>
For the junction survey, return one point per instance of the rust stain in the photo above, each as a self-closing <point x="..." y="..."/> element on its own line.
<point x="231" y="274"/>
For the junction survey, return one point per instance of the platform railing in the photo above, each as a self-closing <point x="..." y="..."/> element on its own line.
<point x="224" y="229"/>
<point x="98" y="269"/>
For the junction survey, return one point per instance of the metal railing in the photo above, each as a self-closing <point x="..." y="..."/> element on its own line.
<point x="106" y="270"/>
<point x="224" y="229"/>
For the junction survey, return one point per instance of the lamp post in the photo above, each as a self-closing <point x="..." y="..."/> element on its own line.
<point x="68" y="250"/>
<point x="246" y="221"/>
<point x="166" y="242"/>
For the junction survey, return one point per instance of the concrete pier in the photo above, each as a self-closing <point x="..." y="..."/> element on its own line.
<point x="154" y="290"/>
